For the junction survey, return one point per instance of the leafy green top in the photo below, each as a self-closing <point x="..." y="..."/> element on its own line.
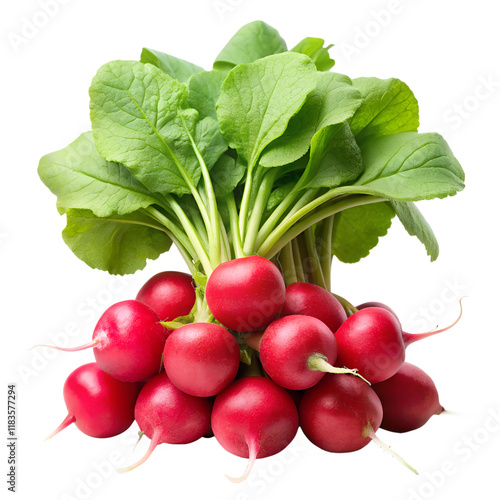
<point x="269" y="152"/>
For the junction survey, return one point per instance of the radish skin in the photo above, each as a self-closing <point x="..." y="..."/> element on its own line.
<point x="409" y="399"/>
<point x="296" y="351"/>
<point x="201" y="359"/>
<point x="372" y="340"/>
<point x="254" y="418"/>
<point x="167" y="415"/>
<point x="99" y="405"/>
<point x="170" y="294"/>
<point x="312" y="300"/>
<point x="128" y="341"/>
<point x="245" y="294"/>
<point x="341" y="414"/>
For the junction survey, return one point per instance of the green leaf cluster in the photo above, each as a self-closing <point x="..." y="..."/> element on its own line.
<point x="269" y="152"/>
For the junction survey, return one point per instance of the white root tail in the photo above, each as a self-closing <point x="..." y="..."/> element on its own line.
<point x="67" y="421"/>
<point x="154" y="443"/>
<point x="253" y="449"/>
<point x="387" y="448"/>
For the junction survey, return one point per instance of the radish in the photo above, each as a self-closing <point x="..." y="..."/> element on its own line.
<point x="165" y="414"/>
<point x="409" y="399"/>
<point x="245" y="294"/>
<point x="99" y="405"/>
<point x="364" y="305"/>
<point x="312" y="300"/>
<point x="372" y="340"/>
<point x="170" y="294"/>
<point x="128" y="341"/>
<point x="254" y="418"/>
<point x="201" y="359"/>
<point x="342" y="414"/>
<point x="296" y="351"/>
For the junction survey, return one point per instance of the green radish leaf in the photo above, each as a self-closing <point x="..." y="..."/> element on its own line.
<point x="173" y="66"/>
<point x="208" y="140"/>
<point x="81" y="178"/>
<point x="335" y="158"/>
<point x="298" y="166"/>
<point x="226" y="174"/>
<point x="416" y="225"/>
<point x="389" y="107"/>
<point x="408" y="167"/>
<point x="258" y="99"/>
<point x="204" y="90"/>
<point x="246" y="354"/>
<point x="119" y="244"/>
<point x="139" y="119"/>
<point x="357" y="230"/>
<point x="253" y="41"/>
<point x="279" y="194"/>
<point x="313" y="47"/>
<point x="334" y="100"/>
<point x="201" y="279"/>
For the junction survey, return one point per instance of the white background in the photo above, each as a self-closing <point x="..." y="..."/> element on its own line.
<point x="447" y="52"/>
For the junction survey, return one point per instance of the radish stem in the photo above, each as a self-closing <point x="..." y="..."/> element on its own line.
<point x="171" y="325"/>
<point x="318" y="362"/>
<point x="371" y="434"/>
<point x="234" y="227"/>
<point x="288" y="265"/>
<point x="297" y="259"/>
<point x="348" y="307"/>
<point x="313" y="259"/>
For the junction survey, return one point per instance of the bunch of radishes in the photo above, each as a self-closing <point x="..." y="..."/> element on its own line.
<point x="246" y="358"/>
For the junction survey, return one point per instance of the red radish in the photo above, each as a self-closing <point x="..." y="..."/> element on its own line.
<point x="312" y="300"/>
<point x="170" y="294"/>
<point x="409" y="399"/>
<point x="245" y="294"/>
<point x="364" y="305"/>
<point x="165" y="414"/>
<point x="201" y="359"/>
<point x="341" y="414"/>
<point x="254" y="418"/>
<point x="99" y="405"/>
<point x="372" y="340"/>
<point x="296" y="351"/>
<point x="128" y="341"/>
